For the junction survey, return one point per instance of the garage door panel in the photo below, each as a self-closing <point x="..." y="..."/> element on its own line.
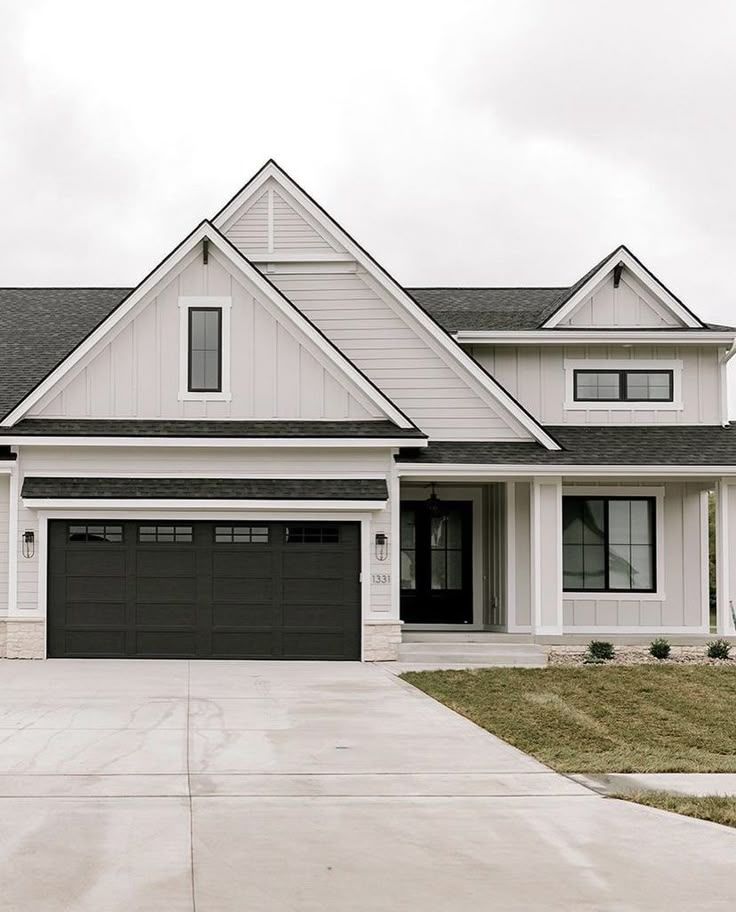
<point x="166" y="589"/>
<point x="163" y="560"/>
<point x="240" y="591"/>
<point x="110" y="643"/>
<point x="312" y="592"/>
<point x="313" y="565"/>
<point x="222" y="591"/>
<point x="94" y="589"/>
<point x="95" y="614"/>
<point x="94" y="562"/>
<point x="175" y="614"/>
<point x="317" y="615"/>
<point x="252" y="644"/>
<point x="250" y="615"/>
<point x="243" y="564"/>
<point x="171" y="643"/>
<point x="313" y="644"/>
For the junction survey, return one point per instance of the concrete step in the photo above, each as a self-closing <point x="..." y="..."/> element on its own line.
<point x="462" y="636"/>
<point x="461" y="654"/>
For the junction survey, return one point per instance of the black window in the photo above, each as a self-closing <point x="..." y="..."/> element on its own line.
<point x="235" y="535"/>
<point x="179" y="534"/>
<point x="101" y="533"/>
<point x="623" y="386"/>
<point x="608" y="544"/>
<point x="205" y="350"/>
<point x="312" y="535"/>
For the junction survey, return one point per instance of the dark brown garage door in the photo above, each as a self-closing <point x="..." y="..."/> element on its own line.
<point x="204" y="590"/>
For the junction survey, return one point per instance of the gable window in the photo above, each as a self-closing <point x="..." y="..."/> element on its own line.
<point x="623" y="385"/>
<point x="608" y="544"/>
<point x="205" y="350"/>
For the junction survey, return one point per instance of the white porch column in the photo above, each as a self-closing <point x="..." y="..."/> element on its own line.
<point x="725" y="569"/>
<point x="546" y="555"/>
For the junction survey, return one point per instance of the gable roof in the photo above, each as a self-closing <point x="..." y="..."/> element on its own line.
<point x="620" y="256"/>
<point x="238" y="261"/>
<point x="487" y="383"/>
<point x="505" y="309"/>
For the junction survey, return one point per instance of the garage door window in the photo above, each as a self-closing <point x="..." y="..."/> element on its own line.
<point x="312" y="535"/>
<point x="86" y="533"/>
<point x="158" y="534"/>
<point x="241" y="535"/>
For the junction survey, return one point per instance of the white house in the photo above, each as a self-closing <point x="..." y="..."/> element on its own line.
<point x="271" y="449"/>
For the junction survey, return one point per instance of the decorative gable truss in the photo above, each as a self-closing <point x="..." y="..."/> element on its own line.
<point x="275" y="363"/>
<point x="368" y="315"/>
<point x="621" y="293"/>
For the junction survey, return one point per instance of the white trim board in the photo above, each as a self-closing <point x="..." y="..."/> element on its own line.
<point x="342" y="366"/>
<point x="215" y="442"/>
<point x="496" y="393"/>
<point x="622" y="256"/>
<point x="101" y="503"/>
<point x="490" y="472"/>
<point x="587" y="336"/>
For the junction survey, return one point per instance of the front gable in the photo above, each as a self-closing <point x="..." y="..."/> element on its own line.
<point x="275" y="364"/>
<point x="271" y="224"/>
<point x="620" y="293"/>
<point x="362" y="310"/>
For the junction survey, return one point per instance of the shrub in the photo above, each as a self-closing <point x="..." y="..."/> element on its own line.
<point x="599" y="649"/>
<point x="659" y="648"/>
<point x="719" y="649"/>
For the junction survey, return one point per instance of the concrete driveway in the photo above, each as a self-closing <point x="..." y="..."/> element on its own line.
<point x="293" y="786"/>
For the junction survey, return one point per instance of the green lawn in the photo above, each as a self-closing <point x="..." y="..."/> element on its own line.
<point x="718" y="808"/>
<point x="602" y="719"/>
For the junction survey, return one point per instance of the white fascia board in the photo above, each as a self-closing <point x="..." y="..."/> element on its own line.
<point x="133" y="504"/>
<point x="586" y="336"/>
<point x="451" y="470"/>
<point x="216" y="442"/>
<point x="253" y="276"/>
<point x="646" y="278"/>
<point x="6" y="468"/>
<point x="468" y="364"/>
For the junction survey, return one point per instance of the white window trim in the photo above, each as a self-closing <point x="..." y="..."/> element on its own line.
<point x="186" y="303"/>
<point x="571" y="404"/>
<point x="620" y="491"/>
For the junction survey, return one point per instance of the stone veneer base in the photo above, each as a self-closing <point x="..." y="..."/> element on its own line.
<point x="381" y="640"/>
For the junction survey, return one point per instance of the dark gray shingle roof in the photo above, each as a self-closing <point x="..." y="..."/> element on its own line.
<point x="39" y="327"/>
<point x="57" y="427"/>
<point x="504" y="309"/>
<point x="685" y="445"/>
<point x="207" y="488"/>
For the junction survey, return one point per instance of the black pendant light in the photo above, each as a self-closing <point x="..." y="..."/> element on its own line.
<point x="434" y="504"/>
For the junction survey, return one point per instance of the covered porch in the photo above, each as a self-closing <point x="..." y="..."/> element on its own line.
<point x="505" y="551"/>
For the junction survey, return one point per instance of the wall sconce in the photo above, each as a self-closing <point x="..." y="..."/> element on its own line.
<point x="381" y="546"/>
<point x="29" y="543"/>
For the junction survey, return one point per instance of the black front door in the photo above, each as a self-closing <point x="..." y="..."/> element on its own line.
<point x="436" y="562"/>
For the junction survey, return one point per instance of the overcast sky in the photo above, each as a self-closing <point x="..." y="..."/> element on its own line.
<point x="489" y="143"/>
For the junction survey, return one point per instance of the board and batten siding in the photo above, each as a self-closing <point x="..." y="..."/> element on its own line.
<point x="220" y="463"/>
<point x="535" y="375"/>
<point x="397" y="355"/>
<point x="629" y="305"/>
<point x="274" y="372"/>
